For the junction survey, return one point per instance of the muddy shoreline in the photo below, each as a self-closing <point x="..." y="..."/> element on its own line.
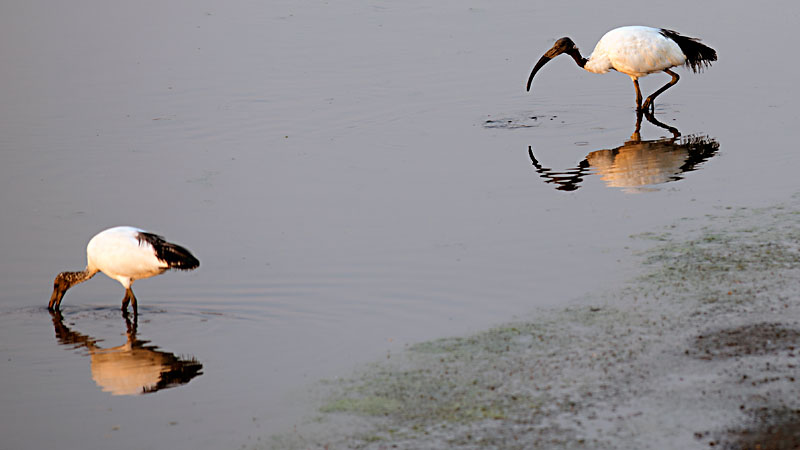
<point x="701" y="351"/>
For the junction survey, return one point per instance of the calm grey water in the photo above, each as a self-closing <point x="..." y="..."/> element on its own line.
<point x="353" y="177"/>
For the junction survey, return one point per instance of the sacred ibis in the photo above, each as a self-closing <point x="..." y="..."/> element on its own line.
<point x="636" y="51"/>
<point x="125" y="254"/>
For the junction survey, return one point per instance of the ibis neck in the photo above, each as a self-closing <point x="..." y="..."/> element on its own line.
<point x="73" y="278"/>
<point x="576" y="55"/>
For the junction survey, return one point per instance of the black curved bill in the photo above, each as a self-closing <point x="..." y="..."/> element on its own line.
<point x="542" y="61"/>
<point x="55" y="298"/>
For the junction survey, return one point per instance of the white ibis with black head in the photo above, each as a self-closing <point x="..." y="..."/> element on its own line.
<point x="125" y="254"/>
<point x="636" y="51"/>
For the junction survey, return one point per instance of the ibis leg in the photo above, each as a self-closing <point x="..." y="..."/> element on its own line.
<point x="636" y="136"/>
<point x="648" y="103"/>
<point x="638" y="94"/>
<point x="133" y="303"/>
<point x="129" y="298"/>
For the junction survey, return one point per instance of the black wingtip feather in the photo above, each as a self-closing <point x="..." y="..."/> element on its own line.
<point x="174" y="255"/>
<point x="698" y="55"/>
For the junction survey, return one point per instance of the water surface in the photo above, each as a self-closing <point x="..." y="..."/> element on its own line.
<point x="352" y="177"/>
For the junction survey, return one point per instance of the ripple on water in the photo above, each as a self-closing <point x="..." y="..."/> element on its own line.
<point x="521" y="121"/>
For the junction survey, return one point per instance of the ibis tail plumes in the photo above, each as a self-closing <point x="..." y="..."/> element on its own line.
<point x="125" y="254"/>
<point x="636" y="51"/>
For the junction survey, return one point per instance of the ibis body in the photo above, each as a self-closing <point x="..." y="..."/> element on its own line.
<point x="636" y="51"/>
<point x="125" y="254"/>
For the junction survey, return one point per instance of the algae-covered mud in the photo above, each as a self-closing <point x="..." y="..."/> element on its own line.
<point x="701" y="351"/>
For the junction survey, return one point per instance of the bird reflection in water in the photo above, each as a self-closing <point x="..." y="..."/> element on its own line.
<point x="636" y="163"/>
<point x="132" y="368"/>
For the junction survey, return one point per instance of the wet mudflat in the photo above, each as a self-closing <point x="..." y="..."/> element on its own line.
<point x="356" y="180"/>
<point x="700" y="351"/>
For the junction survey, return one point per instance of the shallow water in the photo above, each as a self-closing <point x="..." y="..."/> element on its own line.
<point x="352" y="178"/>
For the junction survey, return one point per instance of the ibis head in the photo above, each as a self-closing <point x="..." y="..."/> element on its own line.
<point x="60" y="286"/>
<point x="563" y="45"/>
<point x="64" y="281"/>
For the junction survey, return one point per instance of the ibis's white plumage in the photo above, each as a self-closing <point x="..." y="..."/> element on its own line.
<point x="125" y="254"/>
<point x="635" y="51"/>
<point x="118" y="253"/>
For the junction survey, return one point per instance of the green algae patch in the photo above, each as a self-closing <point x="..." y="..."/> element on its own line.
<point x="503" y="387"/>
<point x="434" y="384"/>
<point x="371" y="406"/>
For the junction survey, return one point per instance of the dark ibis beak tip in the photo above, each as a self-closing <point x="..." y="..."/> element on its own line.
<point x="542" y="61"/>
